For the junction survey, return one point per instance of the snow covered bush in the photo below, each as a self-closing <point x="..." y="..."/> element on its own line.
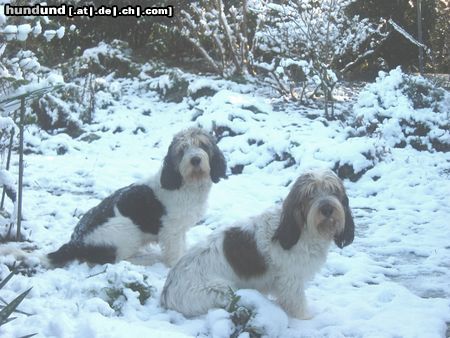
<point x="405" y="109"/>
<point x="59" y="110"/>
<point x="356" y="156"/>
<point x="221" y="32"/>
<point x="249" y="314"/>
<point x="18" y="64"/>
<point x="304" y="43"/>
<point x="148" y="34"/>
<point x="253" y="315"/>
<point x="242" y="125"/>
<point x="124" y="288"/>
<point x="171" y="84"/>
<point x="22" y="39"/>
<point x="68" y="108"/>
<point x="201" y="88"/>
<point x="7" y="182"/>
<point x="104" y="59"/>
<point x="117" y="295"/>
<point x="7" y="128"/>
<point x="255" y="136"/>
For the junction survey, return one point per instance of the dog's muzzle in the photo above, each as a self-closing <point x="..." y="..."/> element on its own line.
<point x="326" y="209"/>
<point x="195" y="165"/>
<point x="330" y="216"/>
<point x="195" y="161"/>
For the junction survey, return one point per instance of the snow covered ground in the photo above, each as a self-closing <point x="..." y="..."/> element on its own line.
<point x="393" y="281"/>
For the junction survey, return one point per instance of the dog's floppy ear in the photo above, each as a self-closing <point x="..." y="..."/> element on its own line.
<point x="170" y="175"/>
<point x="217" y="163"/>
<point x="346" y="237"/>
<point x="292" y="222"/>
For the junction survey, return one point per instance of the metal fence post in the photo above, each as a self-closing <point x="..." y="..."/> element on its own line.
<point x="19" y="192"/>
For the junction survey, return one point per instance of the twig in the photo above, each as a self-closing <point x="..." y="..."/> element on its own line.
<point x="97" y="274"/>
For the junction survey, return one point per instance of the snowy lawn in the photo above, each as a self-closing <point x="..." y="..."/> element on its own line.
<point x="393" y="281"/>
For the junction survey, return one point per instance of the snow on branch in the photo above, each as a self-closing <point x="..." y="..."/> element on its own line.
<point x="408" y="36"/>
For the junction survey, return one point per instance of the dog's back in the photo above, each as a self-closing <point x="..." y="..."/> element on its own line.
<point x="198" y="273"/>
<point x="101" y="236"/>
<point x="207" y="276"/>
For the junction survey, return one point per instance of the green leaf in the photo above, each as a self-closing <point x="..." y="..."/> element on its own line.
<point x="10" y="319"/>
<point x="6" y="280"/>
<point x="29" y="335"/>
<point x="234" y="299"/>
<point x="8" y="309"/>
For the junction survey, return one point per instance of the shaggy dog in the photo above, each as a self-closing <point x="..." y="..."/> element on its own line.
<point x="275" y="252"/>
<point x="161" y="209"/>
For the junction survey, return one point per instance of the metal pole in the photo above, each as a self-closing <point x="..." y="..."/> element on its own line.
<point x="19" y="192"/>
<point x="8" y="160"/>
<point x="419" y="34"/>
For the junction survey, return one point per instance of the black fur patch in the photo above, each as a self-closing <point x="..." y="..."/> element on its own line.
<point x="170" y="176"/>
<point x="289" y="231"/>
<point x="83" y="253"/>
<point x="242" y="253"/>
<point x="139" y="203"/>
<point x="217" y="163"/>
<point x="346" y="237"/>
<point x="96" y="216"/>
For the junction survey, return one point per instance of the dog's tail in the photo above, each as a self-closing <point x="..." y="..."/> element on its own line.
<point x="66" y="253"/>
<point x="97" y="254"/>
<point x="55" y="259"/>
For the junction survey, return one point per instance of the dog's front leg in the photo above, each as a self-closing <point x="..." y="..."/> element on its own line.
<point x="293" y="300"/>
<point x="172" y="245"/>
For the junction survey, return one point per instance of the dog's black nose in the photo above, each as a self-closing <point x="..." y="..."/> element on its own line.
<point x="326" y="210"/>
<point x="196" y="160"/>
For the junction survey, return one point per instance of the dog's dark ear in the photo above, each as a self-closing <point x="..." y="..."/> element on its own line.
<point x="170" y="175"/>
<point x="217" y="163"/>
<point x="346" y="237"/>
<point x="292" y="222"/>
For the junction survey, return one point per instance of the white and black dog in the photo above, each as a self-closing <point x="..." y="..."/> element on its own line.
<point x="275" y="252"/>
<point x="161" y="209"/>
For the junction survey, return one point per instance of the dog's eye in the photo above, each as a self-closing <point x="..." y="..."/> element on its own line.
<point x="180" y="150"/>
<point x="203" y="146"/>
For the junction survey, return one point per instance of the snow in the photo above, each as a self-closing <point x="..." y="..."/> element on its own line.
<point x="37" y="29"/>
<point x="49" y="34"/>
<point x="23" y="31"/>
<point x="60" y="32"/>
<point x="391" y="282"/>
<point x="269" y="318"/>
<point x="219" y="323"/>
<point x="385" y="104"/>
<point x="10" y="32"/>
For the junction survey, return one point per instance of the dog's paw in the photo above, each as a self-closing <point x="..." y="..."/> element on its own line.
<point x="305" y="314"/>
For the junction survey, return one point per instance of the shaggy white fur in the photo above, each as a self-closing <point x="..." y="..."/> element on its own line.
<point x="160" y="209"/>
<point x="275" y="252"/>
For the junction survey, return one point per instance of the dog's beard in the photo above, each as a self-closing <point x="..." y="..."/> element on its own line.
<point x="197" y="174"/>
<point x="327" y="228"/>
